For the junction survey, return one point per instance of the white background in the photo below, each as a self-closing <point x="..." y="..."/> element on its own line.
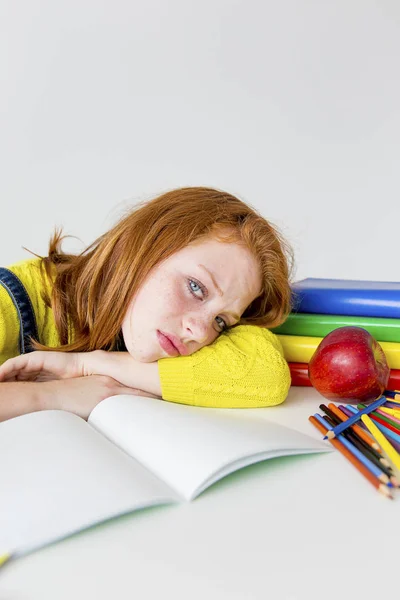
<point x="295" y="107"/>
<point x="292" y="105"/>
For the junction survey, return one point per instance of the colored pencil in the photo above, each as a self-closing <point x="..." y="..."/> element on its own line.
<point x="390" y="411"/>
<point x="348" y="413"/>
<point x="383" y="420"/>
<point x="390" y="404"/>
<point x="382" y="441"/>
<point x="393" y="394"/>
<point x="375" y="470"/>
<point x="331" y="418"/>
<point x="381" y="487"/>
<point x="389" y="419"/>
<point x="394" y="400"/>
<point x="351" y="420"/>
<point x="394" y="438"/>
<point x="365" y="438"/>
<point x="368" y="452"/>
<point x="389" y="433"/>
<point x="356" y="428"/>
<point x="4" y="558"/>
<point x="354" y="411"/>
<point x="378" y="457"/>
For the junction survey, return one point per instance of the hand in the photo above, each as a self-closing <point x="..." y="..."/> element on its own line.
<point x="43" y="366"/>
<point x="46" y="366"/>
<point x="81" y="394"/>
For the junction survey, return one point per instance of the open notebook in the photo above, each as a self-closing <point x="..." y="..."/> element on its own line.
<point x="61" y="474"/>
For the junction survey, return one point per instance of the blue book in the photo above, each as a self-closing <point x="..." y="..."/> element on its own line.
<point x="347" y="297"/>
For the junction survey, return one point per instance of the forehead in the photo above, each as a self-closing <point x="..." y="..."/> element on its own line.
<point x="214" y="251"/>
<point x="233" y="264"/>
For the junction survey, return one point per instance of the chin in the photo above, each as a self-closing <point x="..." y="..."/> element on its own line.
<point x="144" y="357"/>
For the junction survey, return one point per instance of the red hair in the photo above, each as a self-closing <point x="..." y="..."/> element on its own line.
<point x="92" y="290"/>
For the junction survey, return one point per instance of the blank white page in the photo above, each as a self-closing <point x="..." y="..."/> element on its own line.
<point x="191" y="447"/>
<point x="59" y="475"/>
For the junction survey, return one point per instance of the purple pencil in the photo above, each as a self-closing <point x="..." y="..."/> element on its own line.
<point x="347" y="412"/>
<point x="389" y="404"/>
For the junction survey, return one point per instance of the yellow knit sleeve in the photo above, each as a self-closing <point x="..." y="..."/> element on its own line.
<point x="9" y="327"/>
<point x="243" y="368"/>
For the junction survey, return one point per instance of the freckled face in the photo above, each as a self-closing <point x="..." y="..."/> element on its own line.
<point x="189" y="299"/>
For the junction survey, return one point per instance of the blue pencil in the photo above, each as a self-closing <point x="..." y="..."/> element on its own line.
<point x="361" y="457"/>
<point x="351" y="420"/>
<point x="392" y="393"/>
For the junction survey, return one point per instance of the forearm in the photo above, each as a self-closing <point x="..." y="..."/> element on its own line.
<point x="128" y="371"/>
<point x="243" y="368"/>
<point x="19" y="398"/>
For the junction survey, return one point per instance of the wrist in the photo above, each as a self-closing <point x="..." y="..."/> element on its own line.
<point x="44" y="396"/>
<point x="93" y="363"/>
<point x="102" y="362"/>
<point x="19" y="398"/>
<point x="130" y="372"/>
<point x="121" y="366"/>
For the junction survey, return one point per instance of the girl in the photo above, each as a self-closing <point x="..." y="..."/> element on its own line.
<point x="175" y="302"/>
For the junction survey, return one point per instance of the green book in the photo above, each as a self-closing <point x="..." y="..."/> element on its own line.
<point x="316" y="325"/>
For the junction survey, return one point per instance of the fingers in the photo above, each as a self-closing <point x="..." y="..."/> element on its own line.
<point x="11" y="368"/>
<point x="31" y="376"/>
<point x="25" y="367"/>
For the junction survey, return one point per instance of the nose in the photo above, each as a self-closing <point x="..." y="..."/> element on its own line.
<point x="197" y="327"/>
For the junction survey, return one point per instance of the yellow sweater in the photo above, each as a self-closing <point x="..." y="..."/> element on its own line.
<point x="243" y="368"/>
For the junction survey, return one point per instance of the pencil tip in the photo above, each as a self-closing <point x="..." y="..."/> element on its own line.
<point x="4" y="558"/>
<point x="385" y="491"/>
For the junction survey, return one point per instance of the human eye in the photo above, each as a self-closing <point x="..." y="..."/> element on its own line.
<point x="197" y="289"/>
<point x="222" y="325"/>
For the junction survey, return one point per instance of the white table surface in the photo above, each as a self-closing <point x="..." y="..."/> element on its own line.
<point x="294" y="528"/>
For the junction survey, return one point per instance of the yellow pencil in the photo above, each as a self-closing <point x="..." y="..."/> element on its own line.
<point x="395" y="400"/>
<point x="382" y="441"/>
<point x="391" y="411"/>
<point x="4" y="558"/>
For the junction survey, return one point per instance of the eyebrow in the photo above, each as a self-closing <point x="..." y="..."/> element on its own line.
<point x="220" y="292"/>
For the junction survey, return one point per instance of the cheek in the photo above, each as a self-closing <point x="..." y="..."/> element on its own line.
<point x="212" y="337"/>
<point x="158" y="303"/>
<point x="173" y="300"/>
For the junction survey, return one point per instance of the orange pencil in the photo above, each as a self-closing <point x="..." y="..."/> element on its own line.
<point x="381" y="487"/>
<point x="356" y="428"/>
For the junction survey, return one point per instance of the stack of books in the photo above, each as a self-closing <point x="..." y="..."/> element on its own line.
<point x="322" y="305"/>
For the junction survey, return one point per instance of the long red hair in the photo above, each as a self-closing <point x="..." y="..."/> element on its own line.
<point x="92" y="290"/>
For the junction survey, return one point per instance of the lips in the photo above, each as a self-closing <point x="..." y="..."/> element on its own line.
<point x="171" y="344"/>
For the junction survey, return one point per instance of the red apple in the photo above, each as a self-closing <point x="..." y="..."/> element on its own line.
<point x="349" y="363"/>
